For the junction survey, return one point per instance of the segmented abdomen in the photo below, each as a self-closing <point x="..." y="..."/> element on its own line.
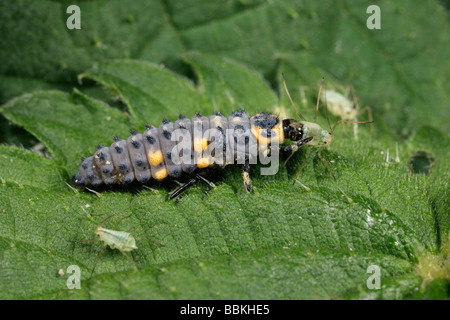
<point x="151" y="154"/>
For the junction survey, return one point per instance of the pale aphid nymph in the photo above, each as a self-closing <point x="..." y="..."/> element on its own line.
<point x="302" y="130"/>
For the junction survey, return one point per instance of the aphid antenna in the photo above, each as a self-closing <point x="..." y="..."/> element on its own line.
<point x="326" y="108"/>
<point x="318" y="99"/>
<point x="106" y="219"/>
<point x="348" y="121"/>
<point x="289" y="96"/>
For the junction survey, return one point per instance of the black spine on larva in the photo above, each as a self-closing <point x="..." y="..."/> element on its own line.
<point x="218" y="125"/>
<point x="88" y="174"/>
<point x="169" y="146"/>
<point x="138" y="157"/>
<point x="152" y="148"/>
<point x="103" y="162"/>
<point x="121" y="161"/>
<point x="242" y="141"/>
<point x="200" y="126"/>
<point x="183" y="138"/>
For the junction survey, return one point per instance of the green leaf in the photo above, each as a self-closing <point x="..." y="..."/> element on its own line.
<point x="314" y="239"/>
<point x="28" y="169"/>
<point x="64" y="123"/>
<point x="225" y="91"/>
<point x="149" y="85"/>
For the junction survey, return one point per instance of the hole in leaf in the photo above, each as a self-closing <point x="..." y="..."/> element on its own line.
<point x="421" y="162"/>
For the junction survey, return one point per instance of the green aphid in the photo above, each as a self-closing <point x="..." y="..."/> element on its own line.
<point x="120" y="240"/>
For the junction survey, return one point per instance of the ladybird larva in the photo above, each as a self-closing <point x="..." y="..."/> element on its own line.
<point x="214" y="141"/>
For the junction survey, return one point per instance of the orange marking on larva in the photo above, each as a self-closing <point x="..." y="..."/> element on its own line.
<point x="200" y="144"/>
<point x="203" y="163"/>
<point x="161" y="174"/>
<point x="155" y="158"/>
<point x="256" y="131"/>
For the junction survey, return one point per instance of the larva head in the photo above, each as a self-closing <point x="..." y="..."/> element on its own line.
<point x="298" y="130"/>
<point x="293" y="129"/>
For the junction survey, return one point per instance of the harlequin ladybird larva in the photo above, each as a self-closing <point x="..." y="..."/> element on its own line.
<point x="214" y="141"/>
<point x="321" y="137"/>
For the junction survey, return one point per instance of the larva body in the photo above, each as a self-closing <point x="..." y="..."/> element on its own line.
<point x="150" y="155"/>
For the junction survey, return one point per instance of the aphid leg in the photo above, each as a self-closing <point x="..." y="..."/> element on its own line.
<point x="183" y="188"/>
<point x="120" y="220"/>
<point x="318" y="100"/>
<point x="306" y="158"/>
<point x="98" y="258"/>
<point x="369" y="113"/>
<point x="303" y="164"/>
<point x="145" y="234"/>
<point x="349" y="89"/>
<point x="98" y="215"/>
<point x="293" y="148"/>
<point x="246" y="176"/>
<point x="326" y="163"/>
<point x="90" y="241"/>
<point x="129" y="258"/>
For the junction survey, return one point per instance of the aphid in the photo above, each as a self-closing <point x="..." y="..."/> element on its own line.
<point x="120" y="240"/>
<point x="342" y="106"/>
<point x="320" y="137"/>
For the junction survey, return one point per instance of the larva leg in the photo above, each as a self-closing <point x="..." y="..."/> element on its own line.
<point x="183" y="188"/>
<point x="246" y="177"/>
<point x="190" y="183"/>
<point x="209" y="183"/>
<point x="293" y="148"/>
